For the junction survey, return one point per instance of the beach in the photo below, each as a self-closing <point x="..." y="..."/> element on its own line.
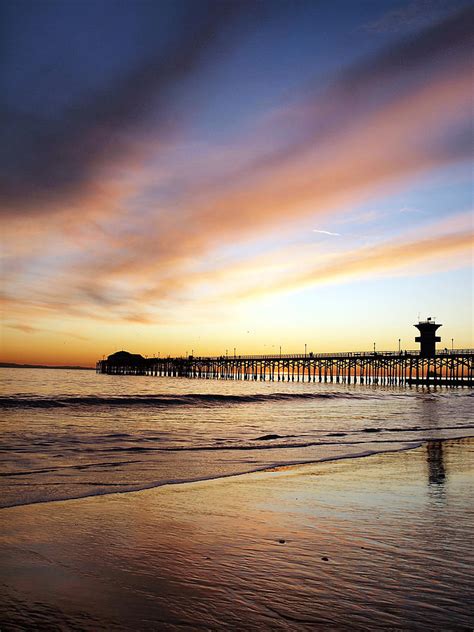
<point x="379" y="542"/>
<point x="236" y="350"/>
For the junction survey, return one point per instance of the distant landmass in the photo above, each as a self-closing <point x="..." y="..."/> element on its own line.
<point x="13" y="365"/>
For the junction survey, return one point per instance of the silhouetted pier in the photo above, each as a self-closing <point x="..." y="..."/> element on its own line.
<point x="454" y="367"/>
<point x="449" y="368"/>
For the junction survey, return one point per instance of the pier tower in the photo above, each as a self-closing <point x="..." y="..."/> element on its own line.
<point x="427" y="337"/>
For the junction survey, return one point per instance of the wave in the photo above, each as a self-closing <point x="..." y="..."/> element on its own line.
<point x="269" y="467"/>
<point x="268" y="446"/>
<point x="147" y="451"/>
<point x="244" y="468"/>
<point x="160" y="401"/>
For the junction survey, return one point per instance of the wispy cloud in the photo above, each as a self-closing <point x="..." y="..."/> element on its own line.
<point x="326" y="232"/>
<point x="389" y="258"/>
<point x="414" y="14"/>
<point x="29" y="329"/>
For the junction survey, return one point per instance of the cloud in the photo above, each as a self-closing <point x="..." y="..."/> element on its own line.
<point x="399" y="142"/>
<point x="449" y="37"/>
<point x="326" y="232"/>
<point x="26" y="329"/>
<point x="47" y="159"/>
<point x="364" y="89"/>
<point x="417" y="13"/>
<point x="402" y="255"/>
<point x="29" y="329"/>
<point x="389" y="257"/>
<point x="401" y="113"/>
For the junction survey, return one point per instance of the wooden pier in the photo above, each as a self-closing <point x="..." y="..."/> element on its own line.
<point x="446" y="368"/>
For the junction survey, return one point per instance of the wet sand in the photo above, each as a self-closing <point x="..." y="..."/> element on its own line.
<point x="381" y="542"/>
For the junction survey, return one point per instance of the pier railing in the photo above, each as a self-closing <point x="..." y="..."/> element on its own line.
<point x="310" y="355"/>
<point x="450" y="367"/>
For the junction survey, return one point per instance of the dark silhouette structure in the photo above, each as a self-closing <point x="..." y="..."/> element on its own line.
<point x="121" y="358"/>
<point x="427" y="337"/>
<point x="448" y="368"/>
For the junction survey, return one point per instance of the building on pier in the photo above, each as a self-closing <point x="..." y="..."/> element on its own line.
<point x="124" y="357"/>
<point x="427" y="337"/>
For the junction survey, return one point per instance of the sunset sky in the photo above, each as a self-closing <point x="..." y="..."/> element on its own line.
<point x="203" y="175"/>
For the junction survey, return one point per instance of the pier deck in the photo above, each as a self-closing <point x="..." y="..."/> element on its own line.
<point x="448" y="368"/>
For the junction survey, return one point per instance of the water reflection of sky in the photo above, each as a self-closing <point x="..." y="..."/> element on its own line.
<point x="349" y="541"/>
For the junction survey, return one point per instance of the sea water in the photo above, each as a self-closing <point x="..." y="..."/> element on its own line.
<point x="72" y="434"/>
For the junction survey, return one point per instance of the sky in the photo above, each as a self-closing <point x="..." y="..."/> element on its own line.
<point x="196" y="176"/>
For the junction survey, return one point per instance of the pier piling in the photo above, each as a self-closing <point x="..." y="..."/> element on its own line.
<point x="449" y="367"/>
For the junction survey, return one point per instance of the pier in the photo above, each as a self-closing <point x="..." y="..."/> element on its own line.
<point x="454" y="367"/>
<point x="451" y="368"/>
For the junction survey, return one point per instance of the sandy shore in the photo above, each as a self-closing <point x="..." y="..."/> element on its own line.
<point x="381" y="542"/>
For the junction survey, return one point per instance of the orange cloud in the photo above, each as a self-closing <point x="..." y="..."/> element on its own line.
<point x="116" y="260"/>
<point x="385" y="258"/>
<point x="377" y="151"/>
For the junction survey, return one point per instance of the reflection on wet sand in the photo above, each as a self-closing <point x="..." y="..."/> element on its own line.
<point x="435" y="461"/>
<point x="327" y="546"/>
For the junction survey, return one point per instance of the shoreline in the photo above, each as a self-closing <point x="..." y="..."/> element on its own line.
<point x="316" y="546"/>
<point x="406" y="445"/>
<point x="261" y="470"/>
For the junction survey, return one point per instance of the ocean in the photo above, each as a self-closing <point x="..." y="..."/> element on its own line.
<point x="71" y="434"/>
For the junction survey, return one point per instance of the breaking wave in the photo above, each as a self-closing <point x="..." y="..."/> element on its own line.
<point x="161" y="401"/>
